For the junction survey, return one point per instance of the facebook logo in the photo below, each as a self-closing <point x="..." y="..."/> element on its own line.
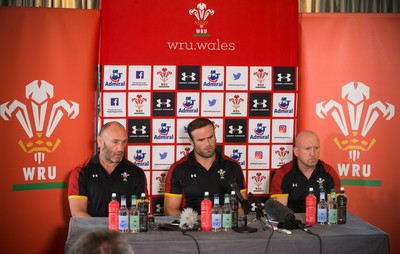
<point x="114" y="101"/>
<point x="139" y="74"/>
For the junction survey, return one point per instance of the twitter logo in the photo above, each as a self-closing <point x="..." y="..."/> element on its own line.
<point x="163" y="155"/>
<point x="212" y="102"/>
<point x="237" y="76"/>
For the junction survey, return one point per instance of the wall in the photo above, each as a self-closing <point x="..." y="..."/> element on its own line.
<point x="348" y="94"/>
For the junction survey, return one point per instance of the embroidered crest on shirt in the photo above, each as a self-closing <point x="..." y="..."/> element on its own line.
<point x="95" y="175"/>
<point x="193" y="175"/>
<point x="321" y="181"/>
<point x="221" y="173"/>
<point x="125" y="176"/>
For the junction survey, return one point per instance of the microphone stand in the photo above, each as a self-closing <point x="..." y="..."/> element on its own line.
<point x="245" y="228"/>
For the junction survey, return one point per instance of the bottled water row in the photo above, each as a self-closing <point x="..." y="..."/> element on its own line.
<point x="219" y="217"/>
<point x="332" y="212"/>
<point x="124" y="220"/>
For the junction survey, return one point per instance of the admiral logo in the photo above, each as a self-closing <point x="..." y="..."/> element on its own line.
<point x="188" y="106"/>
<point x="139" y="158"/>
<point x="284" y="106"/>
<point x="46" y="117"/>
<point x="236" y="155"/>
<point x="355" y="117"/>
<point x="201" y="14"/>
<point x="115" y="78"/>
<point x="163" y="133"/>
<point x="213" y="79"/>
<point x="259" y="133"/>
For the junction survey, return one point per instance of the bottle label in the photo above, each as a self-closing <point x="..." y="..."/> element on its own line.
<point x="134" y="224"/>
<point x="206" y="214"/>
<point x="332" y="216"/>
<point x="216" y="221"/>
<point x="322" y="215"/>
<point x="310" y="215"/>
<point x="227" y="220"/>
<point x="123" y="223"/>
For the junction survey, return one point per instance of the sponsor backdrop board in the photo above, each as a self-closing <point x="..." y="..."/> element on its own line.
<point x="47" y="104"/>
<point x="349" y="68"/>
<point x="234" y="62"/>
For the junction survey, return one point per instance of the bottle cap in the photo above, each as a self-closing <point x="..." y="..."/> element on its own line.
<point x="206" y="193"/>
<point x="233" y="192"/>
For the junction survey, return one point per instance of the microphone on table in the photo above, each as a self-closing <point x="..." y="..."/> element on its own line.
<point x="283" y="215"/>
<point x="245" y="205"/>
<point x="188" y="220"/>
<point x="244" y="202"/>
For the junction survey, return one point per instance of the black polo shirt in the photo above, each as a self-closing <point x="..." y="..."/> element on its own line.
<point x="290" y="181"/>
<point x="188" y="179"/>
<point x="92" y="182"/>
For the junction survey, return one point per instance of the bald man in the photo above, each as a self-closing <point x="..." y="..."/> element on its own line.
<point x="290" y="183"/>
<point x="90" y="186"/>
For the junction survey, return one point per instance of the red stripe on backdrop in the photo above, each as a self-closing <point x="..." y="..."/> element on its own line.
<point x="349" y="93"/>
<point x="49" y="68"/>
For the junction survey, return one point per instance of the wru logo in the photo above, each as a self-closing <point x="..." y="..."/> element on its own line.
<point x="39" y="93"/>
<point x="356" y="95"/>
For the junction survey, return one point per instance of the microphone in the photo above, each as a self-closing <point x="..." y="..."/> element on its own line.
<point x="188" y="220"/>
<point x="283" y="214"/>
<point x="244" y="202"/>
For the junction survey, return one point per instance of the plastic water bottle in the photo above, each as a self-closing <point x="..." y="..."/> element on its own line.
<point x="113" y="208"/>
<point x="134" y="223"/>
<point x="216" y="215"/>
<point x="143" y="213"/>
<point x="234" y="209"/>
<point x="332" y="209"/>
<point x="206" y="206"/>
<point x="226" y="214"/>
<point x="123" y="219"/>
<point x="311" y="207"/>
<point x="322" y="209"/>
<point x="342" y="206"/>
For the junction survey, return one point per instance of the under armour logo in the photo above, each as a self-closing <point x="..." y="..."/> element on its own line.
<point x="193" y="175"/>
<point x="167" y="103"/>
<point x="257" y="103"/>
<point x="185" y="76"/>
<point x="294" y="184"/>
<point x="158" y="208"/>
<point x="95" y="175"/>
<point x="142" y="130"/>
<point x="237" y="130"/>
<point x="287" y="77"/>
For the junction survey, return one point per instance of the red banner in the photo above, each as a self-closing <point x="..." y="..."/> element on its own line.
<point x="349" y="95"/>
<point x="49" y="57"/>
<point x="234" y="62"/>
